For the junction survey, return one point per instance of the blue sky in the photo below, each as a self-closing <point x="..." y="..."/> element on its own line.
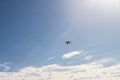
<point x="33" y="32"/>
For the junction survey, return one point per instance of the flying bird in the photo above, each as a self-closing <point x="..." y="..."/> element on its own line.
<point x="68" y="43"/>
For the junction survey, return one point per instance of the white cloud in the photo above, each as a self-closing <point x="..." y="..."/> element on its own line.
<point x="71" y="54"/>
<point x="88" y="71"/>
<point x="88" y="58"/>
<point x="106" y="60"/>
<point x="5" y="66"/>
<point x="50" y="58"/>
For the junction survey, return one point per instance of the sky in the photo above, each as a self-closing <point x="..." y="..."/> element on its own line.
<point x="33" y="35"/>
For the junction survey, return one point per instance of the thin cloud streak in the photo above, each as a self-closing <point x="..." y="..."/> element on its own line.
<point x="88" y="57"/>
<point x="50" y="58"/>
<point x="71" y="54"/>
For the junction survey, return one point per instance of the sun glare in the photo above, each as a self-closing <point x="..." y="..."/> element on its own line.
<point x="104" y="3"/>
<point x="106" y="7"/>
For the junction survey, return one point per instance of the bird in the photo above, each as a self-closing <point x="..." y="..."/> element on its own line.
<point x="68" y="43"/>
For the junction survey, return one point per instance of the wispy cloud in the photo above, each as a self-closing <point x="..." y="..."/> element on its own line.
<point x="57" y="72"/>
<point x="88" y="57"/>
<point x="5" y="66"/>
<point x="50" y="58"/>
<point x="71" y="54"/>
<point x="104" y="61"/>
